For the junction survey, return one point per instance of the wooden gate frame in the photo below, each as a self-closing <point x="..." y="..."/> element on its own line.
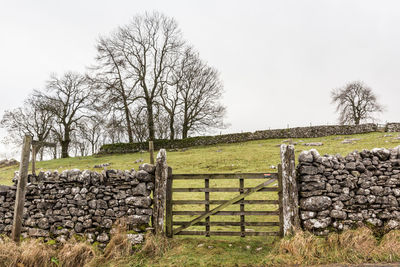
<point x="244" y="192"/>
<point x="288" y="197"/>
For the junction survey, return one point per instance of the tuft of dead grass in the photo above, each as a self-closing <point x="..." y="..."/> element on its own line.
<point x="75" y="253"/>
<point x="9" y="253"/>
<point x="351" y="246"/>
<point x="34" y="253"/>
<point x="119" y="245"/>
<point x="302" y="247"/>
<point x="155" y="245"/>
<point x="30" y="253"/>
<point x="389" y="247"/>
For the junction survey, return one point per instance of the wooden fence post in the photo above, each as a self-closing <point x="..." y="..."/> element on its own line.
<point x="151" y="150"/>
<point x="21" y="188"/>
<point x="160" y="188"/>
<point x="168" y="205"/>
<point x="290" y="197"/>
<point x="33" y="160"/>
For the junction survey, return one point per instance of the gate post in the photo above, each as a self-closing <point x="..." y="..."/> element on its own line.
<point x="160" y="187"/>
<point x="289" y="194"/>
<point x="21" y="189"/>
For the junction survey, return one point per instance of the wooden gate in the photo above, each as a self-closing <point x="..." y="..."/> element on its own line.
<point x="269" y="205"/>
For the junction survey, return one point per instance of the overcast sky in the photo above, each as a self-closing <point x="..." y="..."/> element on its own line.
<point x="278" y="60"/>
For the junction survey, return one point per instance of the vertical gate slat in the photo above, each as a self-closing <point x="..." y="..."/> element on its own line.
<point x="168" y="205"/>
<point x="242" y="219"/>
<point x="207" y="206"/>
<point x="280" y="199"/>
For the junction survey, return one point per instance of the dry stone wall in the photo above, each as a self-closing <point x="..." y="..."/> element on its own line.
<point x="60" y="205"/>
<point x="337" y="193"/>
<point x="392" y="127"/>
<point x="298" y="132"/>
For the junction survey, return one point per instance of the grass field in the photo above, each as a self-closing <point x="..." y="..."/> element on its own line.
<point x="254" y="156"/>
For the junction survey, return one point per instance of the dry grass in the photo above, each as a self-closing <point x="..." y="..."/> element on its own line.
<point x="74" y="253"/>
<point x="155" y="245"/>
<point x="30" y="253"/>
<point x="303" y="246"/>
<point x="119" y="245"/>
<point x="389" y="248"/>
<point x="352" y="246"/>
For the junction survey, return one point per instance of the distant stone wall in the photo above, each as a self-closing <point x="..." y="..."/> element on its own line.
<point x="60" y="205"/>
<point x="392" y="127"/>
<point x="8" y="162"/>
<point x="337" y="192"/>
<point x="299" y="132"/>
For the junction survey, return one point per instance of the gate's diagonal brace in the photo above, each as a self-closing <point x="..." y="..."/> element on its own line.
<point x="224" y="205"/>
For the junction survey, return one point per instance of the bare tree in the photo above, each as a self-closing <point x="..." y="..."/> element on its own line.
<point x="355" y="103"/>
<point x="200" y="92"/>
<point x="115" y="85"/>
<point x="171" y="91"/>
<point x="91" y="130"/>
<point x="139" y="124"/>
<point x="148" y="48"/>
<point x="68" y="99"/>
<point x="114" y="129"/>
<point x="32" y="118"/>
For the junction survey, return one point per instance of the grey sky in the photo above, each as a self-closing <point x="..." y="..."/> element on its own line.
<point x="278" y="59"/>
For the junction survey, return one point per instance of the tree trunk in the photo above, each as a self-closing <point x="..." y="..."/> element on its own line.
<point x="65" y="145"/>
<point x="150" y="121"/>
<point x="185" y="130"/>
<point x="128" y="122"/>
<point x="171" y="128"/>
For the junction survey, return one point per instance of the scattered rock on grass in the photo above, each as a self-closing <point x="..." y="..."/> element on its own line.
<point x="314" y="144"/>
<point x="101" y="165"/>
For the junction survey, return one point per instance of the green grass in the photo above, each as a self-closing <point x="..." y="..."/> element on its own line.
<point x="253" y="156"/>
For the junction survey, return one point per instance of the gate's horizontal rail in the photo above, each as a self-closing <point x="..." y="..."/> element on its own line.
<point x="223" y="189"/>
<point x="224" y="176"/>
<point x="231" y="223"/>
<point x="226" y="213"/>
<point x="211" y="202"/>
<point x="226" y="233"/>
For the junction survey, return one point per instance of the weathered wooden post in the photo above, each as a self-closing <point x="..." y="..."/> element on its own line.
<point x="21" y="188"/>
<point x="33" y="160"/>
<point x="160" y="187"/>
<point x="289" y="190"/>
<point x="151" y="151"/>
<point x="168" y="205"/>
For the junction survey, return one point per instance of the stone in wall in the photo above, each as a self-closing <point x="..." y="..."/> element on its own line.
<point x="60" y="205"/>
<point x="341" y="192"/>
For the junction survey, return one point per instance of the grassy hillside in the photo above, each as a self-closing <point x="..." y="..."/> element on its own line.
<point x="253" y="156"/>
